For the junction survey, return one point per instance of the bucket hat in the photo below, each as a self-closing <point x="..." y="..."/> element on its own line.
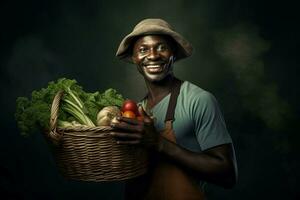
<point x="155" y="27"/>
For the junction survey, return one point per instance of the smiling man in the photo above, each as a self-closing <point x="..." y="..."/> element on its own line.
<point x="183" y="127"/>
<point x="154" y="57"/>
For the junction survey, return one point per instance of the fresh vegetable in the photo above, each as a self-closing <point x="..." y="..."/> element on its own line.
<point x="129" y="109"/>
<point x="33" y="114"/>
<point x="66" y="124"/>
<point x="129" y="114"/>
<point x="114" y="121"/>
<point x="74" y="106"/>
<point x="106" y="115"/>
<point x="130" y="105"/>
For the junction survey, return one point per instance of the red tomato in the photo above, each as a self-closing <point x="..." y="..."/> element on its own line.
<point x="130" y="105"/>
<point x="129" y="114"/>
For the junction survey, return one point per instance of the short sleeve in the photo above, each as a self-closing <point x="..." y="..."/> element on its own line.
<point x="209" y="124"/>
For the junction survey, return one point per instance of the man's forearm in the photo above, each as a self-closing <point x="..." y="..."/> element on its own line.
<point x="216" y="166"/>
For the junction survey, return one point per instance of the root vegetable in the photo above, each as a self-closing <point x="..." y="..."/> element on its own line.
<point x="106" y="115"/>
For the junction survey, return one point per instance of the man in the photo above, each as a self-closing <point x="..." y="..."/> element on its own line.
<point x="186" y="135"/>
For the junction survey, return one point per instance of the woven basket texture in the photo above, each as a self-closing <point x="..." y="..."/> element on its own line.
<point x="91" y="153"/>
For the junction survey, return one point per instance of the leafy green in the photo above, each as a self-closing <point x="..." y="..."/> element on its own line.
<point x="74" y="105"/>
<point x="33" y="115"/>
<point x="110" y="98"/>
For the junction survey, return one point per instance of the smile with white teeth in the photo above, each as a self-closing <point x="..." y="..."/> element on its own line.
<point x="154" y="68"/>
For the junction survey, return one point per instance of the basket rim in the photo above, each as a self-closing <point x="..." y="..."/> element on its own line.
<point x="84" y="128"/>
<point x="91" y="132"/>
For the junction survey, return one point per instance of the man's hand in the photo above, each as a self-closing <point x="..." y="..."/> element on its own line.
<point x="136" y="132"/>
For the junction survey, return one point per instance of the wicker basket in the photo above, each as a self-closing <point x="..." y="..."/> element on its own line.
<point x="92" y="154"/>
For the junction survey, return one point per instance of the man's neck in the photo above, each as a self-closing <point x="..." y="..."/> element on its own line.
<point x="158" y="90"/>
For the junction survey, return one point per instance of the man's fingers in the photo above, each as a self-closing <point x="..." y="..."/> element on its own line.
<point x="128" y="120"/>
<point x="126" y="127"/>
<point x="144" y="115"/>
<point x="142" y="112"/>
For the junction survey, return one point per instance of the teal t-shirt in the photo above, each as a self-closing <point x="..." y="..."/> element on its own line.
<point x="198" y="124"/>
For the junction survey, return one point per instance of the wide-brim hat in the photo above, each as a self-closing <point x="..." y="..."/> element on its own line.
<point x="155" y="27"/>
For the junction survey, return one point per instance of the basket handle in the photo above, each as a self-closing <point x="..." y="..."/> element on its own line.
<point x="53" y="134"/>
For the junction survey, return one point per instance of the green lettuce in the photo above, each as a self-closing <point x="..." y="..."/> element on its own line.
<point x="33" y="115"/>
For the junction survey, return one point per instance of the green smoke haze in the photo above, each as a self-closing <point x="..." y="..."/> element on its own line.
<point x="243" y="49"/>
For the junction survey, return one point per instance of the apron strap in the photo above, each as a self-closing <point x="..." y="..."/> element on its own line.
<point x="173" y="100"/>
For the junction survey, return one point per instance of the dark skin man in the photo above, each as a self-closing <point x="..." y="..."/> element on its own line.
<point x="154" y="56"/>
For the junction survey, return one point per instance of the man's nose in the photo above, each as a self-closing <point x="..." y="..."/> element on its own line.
<point x="153" y="55"/>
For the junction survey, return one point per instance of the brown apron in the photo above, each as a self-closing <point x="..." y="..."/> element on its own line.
<point x="166" y="180"/>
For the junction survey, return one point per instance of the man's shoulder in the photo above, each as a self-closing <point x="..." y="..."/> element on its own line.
<point x="194" y="92"/>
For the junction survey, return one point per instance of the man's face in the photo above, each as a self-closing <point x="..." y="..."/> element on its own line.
<point x="153" y="54"/>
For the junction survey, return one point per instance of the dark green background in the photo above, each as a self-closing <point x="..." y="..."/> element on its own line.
<point x="245" y="54"/>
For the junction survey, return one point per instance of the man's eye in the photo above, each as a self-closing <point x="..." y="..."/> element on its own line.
<point x="161" y="48"/>
<point x="142" y="50"/>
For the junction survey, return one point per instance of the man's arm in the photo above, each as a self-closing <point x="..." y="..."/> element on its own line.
<point x="216" y="165"/>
